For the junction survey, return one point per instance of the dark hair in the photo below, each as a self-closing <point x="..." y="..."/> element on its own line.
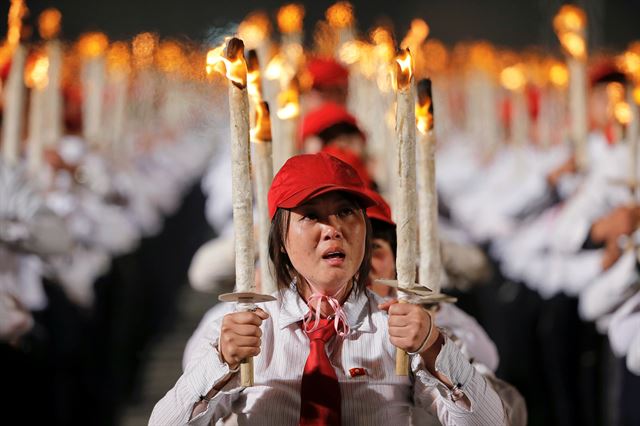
<point x="385" y="231"/>
<point x="284" y="270"/>
<point x="332" y="132"/>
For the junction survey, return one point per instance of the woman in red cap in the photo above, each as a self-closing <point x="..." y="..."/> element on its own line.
<point x="325" y="350"/>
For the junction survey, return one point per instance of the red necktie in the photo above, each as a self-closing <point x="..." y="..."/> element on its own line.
<point x="320" y="390"/>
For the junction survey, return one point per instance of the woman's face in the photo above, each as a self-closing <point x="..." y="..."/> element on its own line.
<point x="383" y="266"/>
<point x="326" y="240"/>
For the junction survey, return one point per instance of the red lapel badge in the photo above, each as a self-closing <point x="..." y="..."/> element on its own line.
<point x="355" y="372"/>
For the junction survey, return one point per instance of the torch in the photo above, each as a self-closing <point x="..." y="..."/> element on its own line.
<point x="514" y="80"/>
<point x="288" y="113"/>
<point x="246" y="297"/>
<point x="289" y="19"/>
<point x="13" y="104"/>
<point x="118" y="61"/>
<point x="430" y="264"/>
<point x="36" y="79"/>
<point x="49" y="27"/>
<point x="14" y="88"/>
<point x="570" y="26"/>
<point x="261" y="137"/>
<point x="91" y="47"/>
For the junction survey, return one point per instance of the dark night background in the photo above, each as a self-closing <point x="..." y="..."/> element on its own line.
<point x="509" y="23"/>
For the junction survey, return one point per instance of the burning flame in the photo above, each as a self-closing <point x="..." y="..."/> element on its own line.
<point x="574" y="44"/>
<point x="36" y="72"/>
<point x="622" y="113"/>
<point x="483" y="56"/>
<point x="118" y="57"/>
<point x="436" y="56"/>
<point x="142" y="48"/>
<point x="290" y="18"/>
<point x="232" y="60"/>
<point x="262" y="130"/>
<point x="570" y="18"/>
<point x="384" y="44"/>
<point x="288" y="103"/>
<point x="513" y="78"/>
<point x="418" y="32"/>
<point x="404" y="70"/>
<point x="636" y="94"/>
<point x="424" y="107"/>
<point x="570" y="24"/>
<point x="170" y="57"/>
<point x="340" y="15"/>
<point x="254" y="29"/>
<point x="92" y="45"/>
<point x="279" y="68"/>
<point x="17" y="11"/>
<point x="559" y="75"/>
<point x="630" y="62"/>
<point x="49" y="23"/>
<point x="615" y="92"/>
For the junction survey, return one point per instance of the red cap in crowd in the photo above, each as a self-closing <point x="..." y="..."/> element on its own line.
<point x="351" y="159"/>
<point x="380" y="211"/>
<point x="327" y="72"/>
<point x="325" y="116"/>
<point x="307" y="176"/>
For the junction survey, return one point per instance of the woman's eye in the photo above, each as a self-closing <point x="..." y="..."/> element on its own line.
<point x="310" y="216"/>
<point x="345" y="212"/>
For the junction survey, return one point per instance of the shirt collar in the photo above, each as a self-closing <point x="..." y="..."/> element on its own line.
<point x="293" y="308"/>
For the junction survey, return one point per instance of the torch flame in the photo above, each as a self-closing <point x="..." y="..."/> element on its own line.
<point x="254" y="29"/>
<point x="92" y="45"/>
<point x="424" y="107"/>
<point x="384" y="44"/>
<point x="290" y="18"/>
<point x="570" y="18"/>
<point x="49" y="23"/>
<point x="622" y="113"/>
<point x="513" y="78"/>
<point x="435" y="54"/>
<point x="559" y="75"/>
<point x="142" y="47"/>
<point x="404" y="69"/>
<point x="36" y="72"/>
<point x="574" y="44"/>
<point x="280" y="69"/>
<point x="630" y="62"/>
<point x="170" y="57"/>
<point x="118" y="56"/>
<point x="340" y="15"/>
<point x="417" y="33"/>
<point x="289" y="106"/>
<point x="262" y="131"/>
<point x="235" y="67"/>
<point x="615" y="92"/>
<point x="17" y="11"/>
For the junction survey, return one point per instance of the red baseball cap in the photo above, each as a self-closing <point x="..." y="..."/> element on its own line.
<point x="325" y="116"/>
<point x="327" y="72"/>
<point x="381" y="210"/>
<point x="307" y="176"/>
<point x="351" y="159"/>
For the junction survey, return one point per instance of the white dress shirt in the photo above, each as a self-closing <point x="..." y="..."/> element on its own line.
<point x="379" y="397"/>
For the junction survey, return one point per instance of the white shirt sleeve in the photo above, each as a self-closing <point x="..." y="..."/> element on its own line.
<point x="204" y="371"/>
<point x="486" y="407"/>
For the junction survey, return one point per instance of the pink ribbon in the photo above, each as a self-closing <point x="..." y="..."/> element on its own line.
<point x="340" y="317"/>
